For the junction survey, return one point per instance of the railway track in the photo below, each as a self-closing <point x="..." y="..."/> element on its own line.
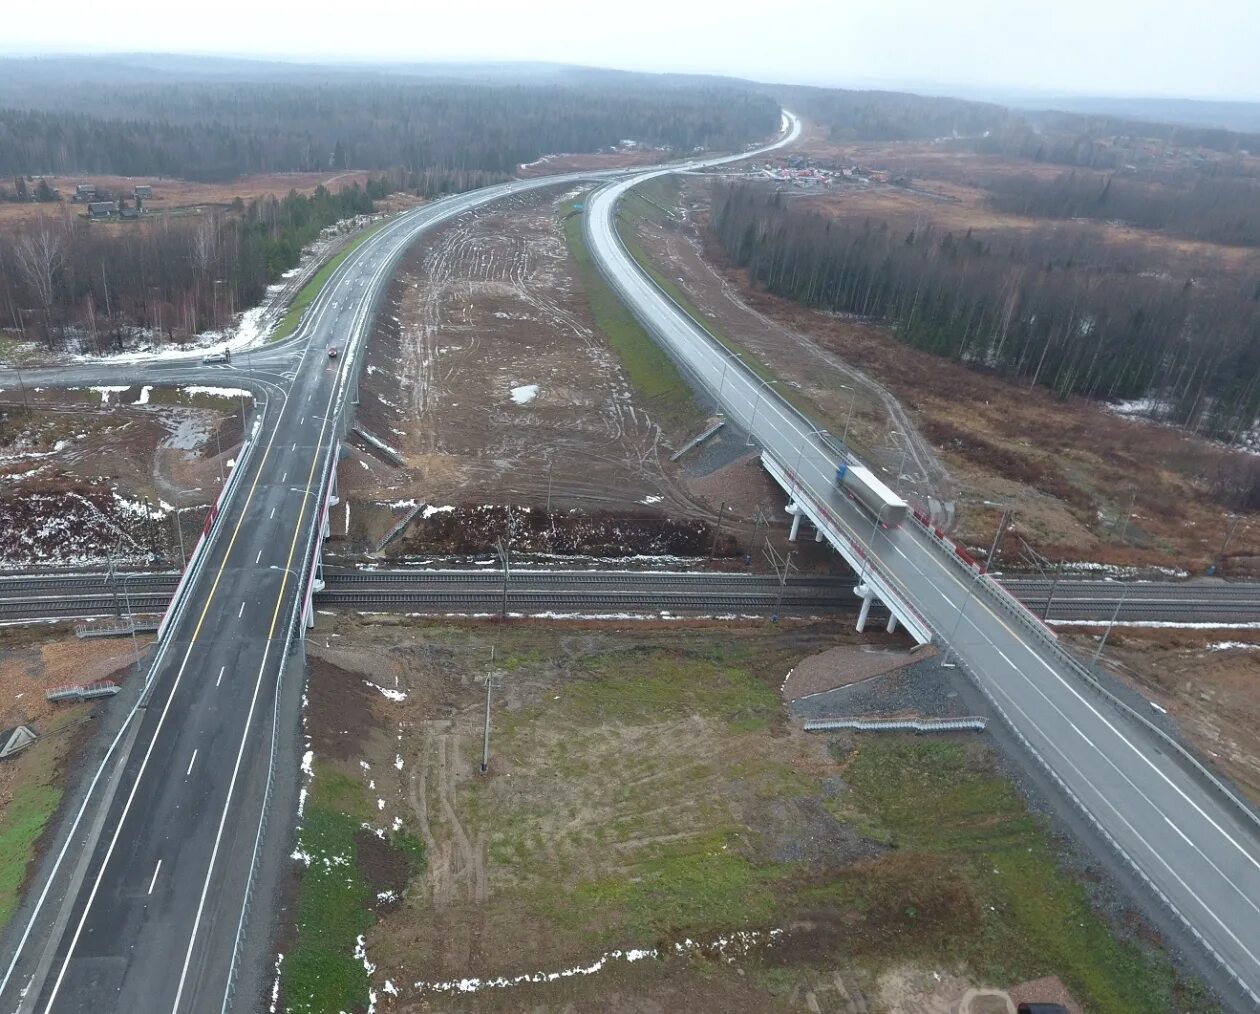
<point x="53" y="595"/>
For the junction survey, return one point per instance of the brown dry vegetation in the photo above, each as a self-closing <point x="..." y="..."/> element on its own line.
<point x="1069" y="468"/>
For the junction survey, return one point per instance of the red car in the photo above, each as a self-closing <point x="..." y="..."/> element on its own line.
<point x="332" y="351"/>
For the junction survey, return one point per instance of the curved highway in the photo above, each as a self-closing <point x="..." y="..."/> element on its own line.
<point x="1192" y="843"/>
<point x="144" y="901"/>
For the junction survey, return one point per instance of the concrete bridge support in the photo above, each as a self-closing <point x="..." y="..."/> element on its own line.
<point x="796" y="512"/>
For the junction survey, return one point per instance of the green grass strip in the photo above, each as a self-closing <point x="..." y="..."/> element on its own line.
<point x="311" y="289"/>
<point x="650" y="371"/>
<point x="20" y="827"/>
<point x="630" y="213"/>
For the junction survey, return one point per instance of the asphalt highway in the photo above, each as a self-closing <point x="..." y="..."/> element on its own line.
<point x="1198" y="849"/>
<point x="153" y="918"/>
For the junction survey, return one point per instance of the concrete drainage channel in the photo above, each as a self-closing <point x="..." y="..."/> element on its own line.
<point x="918" y="725"/>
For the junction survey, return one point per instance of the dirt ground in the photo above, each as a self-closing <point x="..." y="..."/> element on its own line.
<point x="170" y="194"/>
<point x="1066" y="468"/>
<point x="85" y="474"/>
<point x="488" y="377"/>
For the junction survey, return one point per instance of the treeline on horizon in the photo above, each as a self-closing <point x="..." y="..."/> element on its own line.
<point x="141" y="121"/>
<point x="1054" y="306"/>
<point x="1066" y="138"/>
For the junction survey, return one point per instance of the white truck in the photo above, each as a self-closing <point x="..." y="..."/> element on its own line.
<point x="862" y="485"/>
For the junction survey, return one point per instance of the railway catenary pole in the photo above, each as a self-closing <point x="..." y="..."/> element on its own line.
<point x="1107" y="633"/>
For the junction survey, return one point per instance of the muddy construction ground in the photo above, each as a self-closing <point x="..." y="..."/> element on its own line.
<point x="489" y="379"/>
<point x="85" y="475"/>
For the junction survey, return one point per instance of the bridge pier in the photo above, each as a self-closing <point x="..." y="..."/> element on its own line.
<point x="796" y="512"/>
<point x="892" y="622"/>
<point x="865" y="611"/>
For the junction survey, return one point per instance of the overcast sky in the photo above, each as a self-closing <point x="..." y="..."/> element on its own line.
<point x="1111" y="47"/>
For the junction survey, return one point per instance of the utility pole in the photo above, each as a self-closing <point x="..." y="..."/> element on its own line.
<point x="760" y="519"/>
<point x="549" y="465"/>
<point x="1058" y="573"/>
<point x="113" y="586"/>
<point x="485" y="739"/>
<point x="717" y="531"/>
<point x="997" y="539"/>
<point x="179" y="531"/>
<point x="1229" y="535"/>
<point x="781" y="566"/>
<point x="503" y="555"/>
<point x="1107" y="633"/>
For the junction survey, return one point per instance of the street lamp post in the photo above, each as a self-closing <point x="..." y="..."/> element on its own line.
<point x="131" y="619"/>
<point x="756" y="405"/>
<point x="870" y="546"/>
<point x="953" y="634"/>
<point x="725" y="363"/>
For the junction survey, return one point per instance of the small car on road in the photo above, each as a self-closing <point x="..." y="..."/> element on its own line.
<point x="212" y="358"/>
<point x="332" y="351"/>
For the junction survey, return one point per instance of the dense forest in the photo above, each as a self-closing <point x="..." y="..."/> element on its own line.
<point x="72" y="284"/>
<point x="1210" y="208"/>
<point x="146" y="121"/>
<point x="1056" y="306"/>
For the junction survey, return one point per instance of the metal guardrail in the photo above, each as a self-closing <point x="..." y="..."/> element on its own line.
<point x="918" y="725"/>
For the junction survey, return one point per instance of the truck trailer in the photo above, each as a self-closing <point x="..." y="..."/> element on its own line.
<point x="862" y="485"/>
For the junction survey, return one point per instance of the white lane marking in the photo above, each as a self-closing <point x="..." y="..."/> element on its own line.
<point x="1068" y="762"/>
<point x="220" y="679"/>
<point x="155" y="873"/>
<point x="144" y="763"/>
<point x="285" y="477"/>
<point x="258" y="558"/>
<point x="293" y="448"/>
<point x="190" y="764"/>
<point x="241" y="612"/>
<point x="273" y="513"/>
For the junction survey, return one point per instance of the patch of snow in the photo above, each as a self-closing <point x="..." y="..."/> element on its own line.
<point x="649" y="500"/>
<point x="1232" y="645"/>
<point x="430" y="510"/>
<point x="524" y="394"/>
<point x="216" y="392"/>
<point x="393" y="695"/>
<point x="398" y="762"/>
<point x="105" y="392"/>
<point x="275" y="986"/>
<point x="728" y="948"/>
<point x="306" y="762"/>
<point x="144" y="394"/>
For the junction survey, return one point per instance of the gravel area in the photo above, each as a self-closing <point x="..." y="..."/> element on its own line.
<point x="921" y="688"/>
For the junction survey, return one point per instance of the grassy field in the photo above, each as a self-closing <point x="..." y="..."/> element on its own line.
<point x="313" y="288"/>
<point x="646" y="789"/>
<point x="321" y="972"/>
<point x="32" y="784"/>
<point x="650" y="371"/>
